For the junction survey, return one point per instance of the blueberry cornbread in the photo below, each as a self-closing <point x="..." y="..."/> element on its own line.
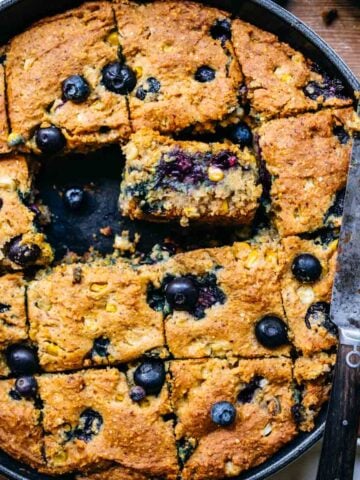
<point x="313" y="377"/>
<point x="3" y="117"/>
<point x="76" y="106"/>
<point x="231" y="415"/>
<point x="21" y="433"/>
<point x="166" y="179"/>
<point x="223" y="302"/>
<point x="187" y="73"/>
<point x="280" y="81"/>
<point x="13" y="320"/>
<point x="140" y="350"/>
<point x="90" y="418"/>
<point x="307" y="164"/>
<point x="21" y="244"/>
<point x="308" y="269"/>
<point x="93" y="314"/>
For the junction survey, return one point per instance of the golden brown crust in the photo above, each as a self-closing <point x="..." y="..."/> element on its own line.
<point x="153" y="50"/>
<point x="136" y="425"/>
<point x="262" y="425"/>
<point x="13" y="327"/>
<point x="73" y="43"/>
<point x="223" y="195"/>
<point x="313" y="375"/>
<point x="74" y="305"/>
<point x="116" y="472"/>
<point x="248" y="275"/>
<point x="308" y="164"/>
<point x="4" y="131"/>
<point x="16" y="219"/>
<point x="275" y="74"/>
<point x="21" y="434"/>
<point x="309" y="336"/>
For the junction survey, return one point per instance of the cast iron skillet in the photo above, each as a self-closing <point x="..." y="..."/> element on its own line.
<point x="77" y="231"/>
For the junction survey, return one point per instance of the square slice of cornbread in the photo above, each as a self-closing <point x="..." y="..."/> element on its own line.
<point x="307" y="158"/>
<point x="91" y="314"/>
<point x="21" y="433"/>
<point x="307" y="304"/>
<point x="236" y="288"/>
<point x="189" y="181"/>
<point x="82" y="42"/>
<point x="187" y="74"/>
<point x="280" y="81"/>
<point x="89" y="418"/>
<point x="21" y="244"/>
<point x="260" y="392"/>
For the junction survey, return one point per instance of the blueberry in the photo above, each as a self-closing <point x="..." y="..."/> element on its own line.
<point x="23" y="254"/>
<point x="141" y="93"/>
<point x="150" y="375"/>
<point x="21" y="360"/>
<point x="221" y="30"/>
<point x="152" y="86"/>
<point x="306" y="268"/>
<point x="118" y="78"/>
<point x="26" y="386"/>
<point x="74" y="198"/>
<point x="271" y="332"/>
<point x="204" y="74"/>
<point x="341" y="134"/>
<point x="223" y="413"/>
<point x="100" y="347"/>
<point x="75" y="88"/>
<point x="241" y="134"/>
<point x="137" y="394"/>
<point x="50" y="140"/>
<point x="181" y="293"/>
<point x="90" y="423"/>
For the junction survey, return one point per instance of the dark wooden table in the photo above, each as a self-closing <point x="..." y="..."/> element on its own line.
<point x="343" y="34"/>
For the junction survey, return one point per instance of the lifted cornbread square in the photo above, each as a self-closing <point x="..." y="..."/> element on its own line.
<point x="89" y="418"/>
<point x="222" y="301"/>
<point x="188" y="181"/>
<point x="308" y="270"/>
<point x="280" y="81"/>
<point x="21" y="434"/>
<point x="21" y="245"/>
<point x="187" y="73"/>
<point x="88" y="314"/>
<point x="307" y="158"/>
<point x="4" y="132"/>
<point x="231" y="415"/>
<point x="73" y="105"/>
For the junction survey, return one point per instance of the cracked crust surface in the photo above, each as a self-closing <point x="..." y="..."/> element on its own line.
<point x="170" y="52"/>
<point x="83" y="315"/>
<point x="77" y="42"/>
<point x="160" y="181"/>
<point x="308" y="164"/>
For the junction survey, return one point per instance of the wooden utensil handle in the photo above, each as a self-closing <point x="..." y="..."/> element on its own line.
<point x="339" y="445"/>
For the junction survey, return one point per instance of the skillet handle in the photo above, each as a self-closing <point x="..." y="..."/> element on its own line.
<point x="339" y="446"/>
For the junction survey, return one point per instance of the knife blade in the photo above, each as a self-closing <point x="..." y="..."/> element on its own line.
<point x="339" y="446"/>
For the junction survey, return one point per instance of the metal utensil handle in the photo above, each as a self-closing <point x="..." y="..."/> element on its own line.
<point x="339" y="446"/>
